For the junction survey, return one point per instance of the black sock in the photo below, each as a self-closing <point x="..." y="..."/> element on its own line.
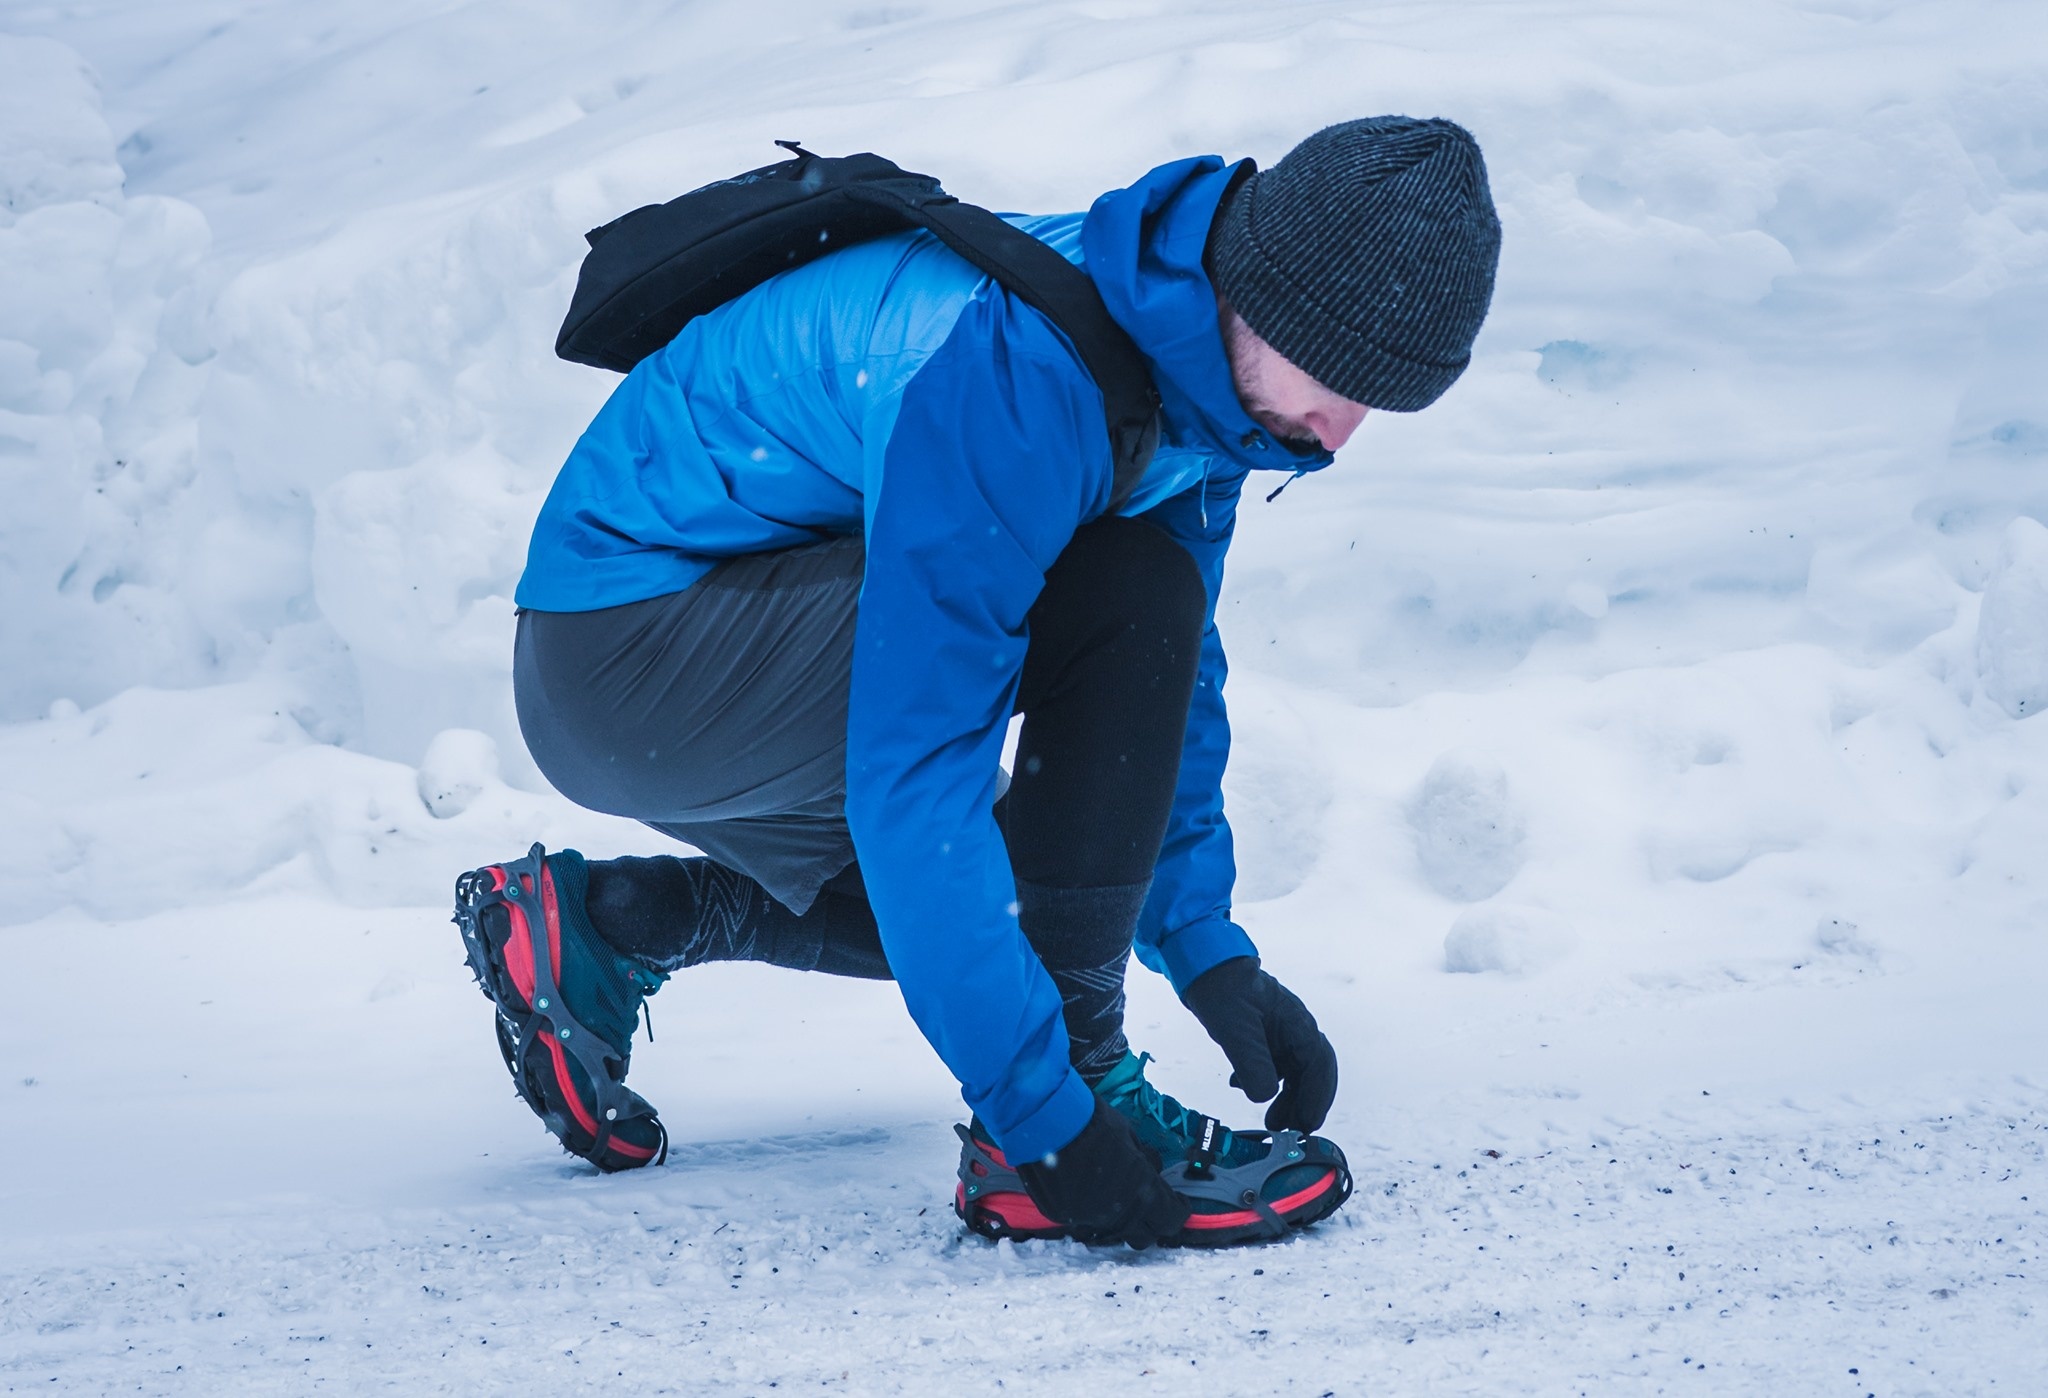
<point x="670" y="913"/>
<point x="1083" y="935"/>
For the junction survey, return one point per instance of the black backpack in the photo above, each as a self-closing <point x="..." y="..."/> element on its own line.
<point x="652" y="271"/>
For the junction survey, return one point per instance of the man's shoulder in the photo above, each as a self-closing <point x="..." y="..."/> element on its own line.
<point x="1060" y="232"/>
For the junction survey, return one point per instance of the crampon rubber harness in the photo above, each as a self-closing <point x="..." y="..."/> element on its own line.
<point x="1230" y="1201"/>
<point x="540" y="1039"/>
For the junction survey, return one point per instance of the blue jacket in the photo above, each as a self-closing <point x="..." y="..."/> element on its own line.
<point x="892" y="389"/>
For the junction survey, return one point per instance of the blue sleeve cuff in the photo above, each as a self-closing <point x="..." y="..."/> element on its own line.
<point x="1053" y="1125"/>
<point x="1200" y="945"/>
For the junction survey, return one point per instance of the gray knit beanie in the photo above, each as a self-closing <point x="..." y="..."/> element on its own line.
<point x="1366" y="257"/>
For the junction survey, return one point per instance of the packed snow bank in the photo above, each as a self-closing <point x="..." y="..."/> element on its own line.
<point x="100" y="352"/>
<point x="1650" y="425"/>
<point x="1761" y="369"/>
<point x="2012" y="628"/>
<point x="157" y="792"/>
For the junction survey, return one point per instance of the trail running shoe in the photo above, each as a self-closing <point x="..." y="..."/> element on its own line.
<point x="567" y="1005"/>
<point x="1244" y="1186"/>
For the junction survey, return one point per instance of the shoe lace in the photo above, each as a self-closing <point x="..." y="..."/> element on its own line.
<point x="1181" y="1122"/>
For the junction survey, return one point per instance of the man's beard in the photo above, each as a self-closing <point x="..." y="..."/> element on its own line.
<point x="1296" y="436"/>
<point x="1290" y="434"/>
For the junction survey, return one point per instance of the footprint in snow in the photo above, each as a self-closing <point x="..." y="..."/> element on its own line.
<point x="1468" y="828"/>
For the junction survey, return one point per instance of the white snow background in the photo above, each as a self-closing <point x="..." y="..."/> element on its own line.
<point x="1637" y="756"/>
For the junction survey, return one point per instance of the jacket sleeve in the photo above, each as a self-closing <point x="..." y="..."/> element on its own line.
<point x="996" y="453"/>
<point x="1185" y="928"/>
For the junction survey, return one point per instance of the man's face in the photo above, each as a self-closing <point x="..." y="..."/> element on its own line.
<point x="1297" y="410"/>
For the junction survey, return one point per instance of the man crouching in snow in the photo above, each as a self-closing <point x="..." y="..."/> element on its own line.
<point x="809" y="559"/>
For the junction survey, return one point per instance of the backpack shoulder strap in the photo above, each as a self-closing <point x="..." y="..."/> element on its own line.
<point x="1067" y="296"/>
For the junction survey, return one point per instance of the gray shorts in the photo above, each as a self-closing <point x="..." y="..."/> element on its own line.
<point x="716" y="715"/>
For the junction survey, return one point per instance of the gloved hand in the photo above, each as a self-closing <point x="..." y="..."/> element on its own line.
<point x="1271" y="1040"/>
<point x="1105" y="1185"/>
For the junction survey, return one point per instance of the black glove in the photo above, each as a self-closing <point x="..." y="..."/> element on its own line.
<point x="1105" y="1185"/>
<point x="1270" y="1038"/>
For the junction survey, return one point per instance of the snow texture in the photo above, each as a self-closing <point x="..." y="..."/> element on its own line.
<point x="1635" y="763"/>
<point x="1515" y="941"/>
<point x="1468" y="829"/>
<point x="460" y="765"/>
<point x="2012" y="626"/>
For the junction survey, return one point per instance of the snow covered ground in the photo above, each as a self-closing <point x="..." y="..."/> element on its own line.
<point x="1637" y="762"/>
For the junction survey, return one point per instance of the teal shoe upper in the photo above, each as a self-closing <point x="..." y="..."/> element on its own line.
<point x="1167" y="1126"/>
<point x="602" y="988"/>
<point x="1180" y="1134"/>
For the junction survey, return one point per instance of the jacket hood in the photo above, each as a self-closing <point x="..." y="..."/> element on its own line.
<point x="1142" y="246"/>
